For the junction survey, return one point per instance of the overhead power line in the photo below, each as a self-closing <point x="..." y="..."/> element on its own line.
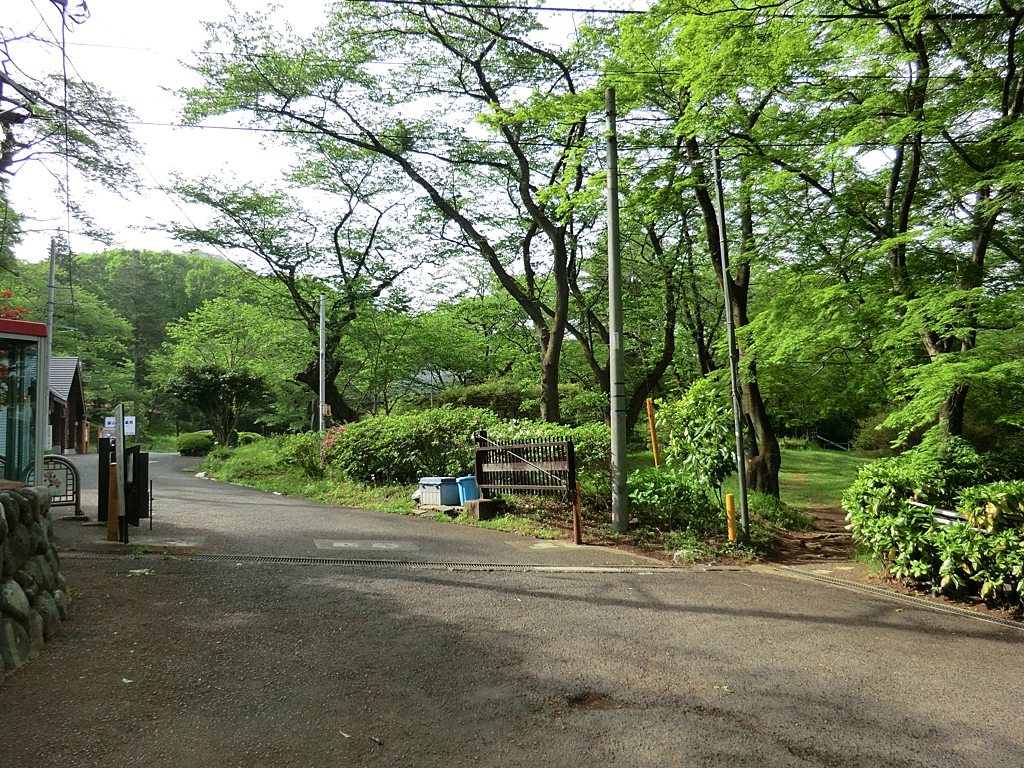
<point x="502" y="7"/>
<point x="769" y="9"/>
<point x="623" y="140"/>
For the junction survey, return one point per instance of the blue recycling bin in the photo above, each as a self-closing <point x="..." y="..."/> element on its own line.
<point x="468" y="489"/>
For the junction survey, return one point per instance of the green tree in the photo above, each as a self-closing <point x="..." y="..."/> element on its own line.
<point x="150" y="290"/>
<point x="86" y="328"/>
<point x="707" y="73"/>
<point x="501" y="168"/>
<point x="221" y="396"/>
<point x="226" y="336"/>
<point x="352" y="258"/>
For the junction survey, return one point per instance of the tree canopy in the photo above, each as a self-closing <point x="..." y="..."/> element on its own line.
<point x="447" y="197"/>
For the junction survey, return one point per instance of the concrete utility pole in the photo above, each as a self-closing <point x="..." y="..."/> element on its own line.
<point x="620" y="497"/>
<point x="323" y="359"/>
<point x="47" y="353"/>
<point x="734" y="370"/>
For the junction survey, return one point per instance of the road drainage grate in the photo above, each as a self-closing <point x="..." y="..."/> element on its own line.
<point x="918" y="601"/>
<point x="413" y="564"/>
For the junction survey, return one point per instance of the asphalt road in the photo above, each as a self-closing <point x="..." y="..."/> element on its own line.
<point x="225" y="518"/>
<point x="245" y="663"/>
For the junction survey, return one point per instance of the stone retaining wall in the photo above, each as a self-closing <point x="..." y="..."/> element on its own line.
<point x="33" y="595"/>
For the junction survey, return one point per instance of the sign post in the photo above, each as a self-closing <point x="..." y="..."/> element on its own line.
<point x="119" y="459"/>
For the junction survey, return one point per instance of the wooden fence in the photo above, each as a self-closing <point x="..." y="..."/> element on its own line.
<point x="536" y="467"/>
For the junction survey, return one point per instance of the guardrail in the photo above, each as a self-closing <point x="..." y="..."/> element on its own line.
<point x="942" y="516"/>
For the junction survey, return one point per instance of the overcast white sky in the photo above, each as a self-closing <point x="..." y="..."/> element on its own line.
<point x="133" y="50"/>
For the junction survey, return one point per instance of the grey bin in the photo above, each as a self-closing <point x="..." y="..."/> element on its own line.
<point x="439" y="491"/>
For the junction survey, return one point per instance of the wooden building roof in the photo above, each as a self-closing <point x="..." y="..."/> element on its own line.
<point x="63" y="385"/>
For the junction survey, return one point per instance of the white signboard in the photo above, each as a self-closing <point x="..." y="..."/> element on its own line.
<point x="129" y="425"/>
<point x="109" y="422"/>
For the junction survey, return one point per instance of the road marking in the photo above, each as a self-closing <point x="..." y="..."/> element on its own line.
<point x="405" y="546"/>
<point x="554" y="545"/>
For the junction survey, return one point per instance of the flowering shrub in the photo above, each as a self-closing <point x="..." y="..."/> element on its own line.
<point x="8" y="312"/>
<point x="401" y="448"/>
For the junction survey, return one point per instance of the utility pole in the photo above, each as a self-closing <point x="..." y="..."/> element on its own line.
<point x="323" y="359"/>
<point x="620" y="498"/>
<point x="44" y="436"/>
<point x="734" y="371"/>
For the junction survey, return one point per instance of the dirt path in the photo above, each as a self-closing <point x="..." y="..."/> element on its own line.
<point x="828" y="541"/>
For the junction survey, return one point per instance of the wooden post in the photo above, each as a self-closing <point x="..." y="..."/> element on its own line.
<point x="654" y="433"/>
<point x="479" y="458"/>
<point x="577" y="517"/>
<point x="730" y="515"/>
<point x="113" y="511"/>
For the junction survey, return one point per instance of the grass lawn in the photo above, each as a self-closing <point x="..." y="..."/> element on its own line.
<point x="809" y="478"/>
<point x="812" y="478"/>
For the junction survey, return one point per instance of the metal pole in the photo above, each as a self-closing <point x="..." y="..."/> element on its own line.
<point x="734" y="371"/>
<point x="44" y="350"/>
<point x="119" y="458"/>
<point x="620" y="498"/>
<point x="49" y="302"/>
<point x="323" y="358"/>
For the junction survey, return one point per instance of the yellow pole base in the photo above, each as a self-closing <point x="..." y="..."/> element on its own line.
<point x="730" y="515"/>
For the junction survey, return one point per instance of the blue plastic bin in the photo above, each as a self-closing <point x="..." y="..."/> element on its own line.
<point x="468" y="489"/>
<point x="439" y="491"/>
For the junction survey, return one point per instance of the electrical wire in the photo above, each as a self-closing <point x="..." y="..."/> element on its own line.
<point x="881" y="145"/>
<point x="502" y="7"/>
<point x="68" y="61"/>
<point x="767" y="9"/>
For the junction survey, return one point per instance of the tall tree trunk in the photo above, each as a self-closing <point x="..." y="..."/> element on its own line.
<point x="310" y="376"/>
<point x="551" y="350"/>
<point x="951" y="414"/>
<point x="763" y="457"/>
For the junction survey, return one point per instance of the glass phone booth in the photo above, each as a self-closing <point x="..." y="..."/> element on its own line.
<point x="23" y="397"/>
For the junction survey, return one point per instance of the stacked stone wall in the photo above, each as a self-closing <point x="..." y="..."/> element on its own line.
<point x="33" y="594"/>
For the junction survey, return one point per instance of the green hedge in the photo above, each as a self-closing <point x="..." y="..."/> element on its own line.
<point x="401" y="448"/>
<point x="194" y="443"/>
<point x="983" y="556"/>
<point x="302" y="451"/>
<point x="671" y="500"/>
